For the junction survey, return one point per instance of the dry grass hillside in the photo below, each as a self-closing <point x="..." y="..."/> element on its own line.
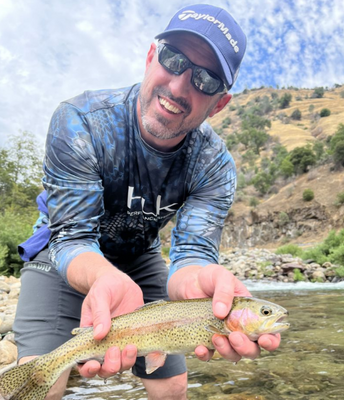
<point x="285" y="194"/>
<point x="294" y="133"/>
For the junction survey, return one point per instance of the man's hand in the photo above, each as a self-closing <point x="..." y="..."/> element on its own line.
<point x="112" y="294"/>
<point x="217" y="282"/>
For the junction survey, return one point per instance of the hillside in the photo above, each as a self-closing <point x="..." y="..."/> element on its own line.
<point x="281" y="215"/>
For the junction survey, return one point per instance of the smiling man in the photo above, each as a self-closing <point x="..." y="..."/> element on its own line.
<point x="119" y="165"/>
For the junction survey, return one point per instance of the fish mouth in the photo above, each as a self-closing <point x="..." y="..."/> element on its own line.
<point x="281" y="324"/>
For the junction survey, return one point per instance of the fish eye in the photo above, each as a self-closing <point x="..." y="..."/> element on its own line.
<point x="266" y="311"/>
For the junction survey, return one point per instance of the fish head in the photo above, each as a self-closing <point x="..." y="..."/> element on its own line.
<point x="255" y="317"/>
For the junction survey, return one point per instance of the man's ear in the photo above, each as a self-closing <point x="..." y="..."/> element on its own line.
<point x="150" y="55"/>
<point x="220" y="104"/>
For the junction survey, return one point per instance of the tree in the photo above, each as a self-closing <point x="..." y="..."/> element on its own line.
<point x="20" y="173"/>
<point x="302" y="158"/>
<point x="318" y="148"/>
<point x="254" y="121"/>
<point x="287" y="168"/>
<point x="258" y="139"/>
<point x="337" y="137"/>
<point x="280" y="152"/>
<point x="285" y="100"/>
<point x="231" y="141"/>
<point x="318" y="93"/>
<point x="338" y="153"/>
<point x="262" y="182"/>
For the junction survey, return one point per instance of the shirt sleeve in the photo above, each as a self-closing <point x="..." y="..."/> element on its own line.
<point x="74" y="187"/>
<point x="197" y="235"/>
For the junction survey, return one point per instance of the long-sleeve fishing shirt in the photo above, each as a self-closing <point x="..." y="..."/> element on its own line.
<point x="109" y="192"/>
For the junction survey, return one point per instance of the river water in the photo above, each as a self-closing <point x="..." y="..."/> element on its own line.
<point x="309" y="364"/>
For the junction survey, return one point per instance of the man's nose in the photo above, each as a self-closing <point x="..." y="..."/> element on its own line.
<point x="181" y="84"/>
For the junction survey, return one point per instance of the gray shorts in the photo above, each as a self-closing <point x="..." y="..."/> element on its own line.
<point x="48" y="309"/>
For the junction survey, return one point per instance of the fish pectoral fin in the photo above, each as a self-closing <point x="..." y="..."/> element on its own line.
<point x="213" y="329"/>
<point x="154" y="361"/>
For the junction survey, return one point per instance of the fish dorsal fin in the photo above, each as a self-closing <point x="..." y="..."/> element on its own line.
<point x="217" y="331"/>
<point x="77" y="331"/>
<point x="151" y="304"/>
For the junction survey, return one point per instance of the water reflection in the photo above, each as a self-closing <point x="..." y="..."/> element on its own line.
<point x="309" y="365"/>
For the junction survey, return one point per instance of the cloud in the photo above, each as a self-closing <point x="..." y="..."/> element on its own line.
<point x="51" y="51"/>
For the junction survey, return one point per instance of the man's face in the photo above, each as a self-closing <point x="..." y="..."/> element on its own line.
<point x="170" y="106"/>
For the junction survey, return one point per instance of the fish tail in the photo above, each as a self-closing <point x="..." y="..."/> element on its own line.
<point x="25" y="382"/>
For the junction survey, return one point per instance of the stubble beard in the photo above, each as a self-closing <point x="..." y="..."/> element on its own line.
<point x="157" y="125"/>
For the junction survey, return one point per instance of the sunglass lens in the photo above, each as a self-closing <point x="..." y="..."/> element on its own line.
<point x="205" y="82"/>
<point x="175" y="62"/>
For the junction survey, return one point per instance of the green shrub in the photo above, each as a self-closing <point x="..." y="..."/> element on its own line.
<point x="231" y="141"/>
<point x="296" y="115"/>
<point x="15" y="229"/>
<point x="332" y="249"/>
<point x="226" y="122"/>
<point x="315" y="254"/>
<point x="254" y="202"/>
<point x="325" y="112"/>
<point x="340" y="271"/>
<point x="311" y="107"/>
<point x="241" y="181"/>
<point x="283" y="218"/>
<point x="292" y="249"/>
<point x="298" y="276"/>
<point x="308" y="195"/>
<point x="340" y="199"/>
<point x="165" y="251"/>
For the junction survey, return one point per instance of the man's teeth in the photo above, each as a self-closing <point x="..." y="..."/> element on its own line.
<point x="169" y="106"/>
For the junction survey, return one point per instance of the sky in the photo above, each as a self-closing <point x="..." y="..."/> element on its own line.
<point x="52" y="50"/>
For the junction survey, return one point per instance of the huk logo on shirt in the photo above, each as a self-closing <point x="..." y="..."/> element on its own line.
<point x="153" y="216"/>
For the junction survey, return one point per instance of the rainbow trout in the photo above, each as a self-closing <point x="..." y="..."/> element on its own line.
<point x="157" y="329"/>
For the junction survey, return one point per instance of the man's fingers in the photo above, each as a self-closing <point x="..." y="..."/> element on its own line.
<point x="89" y="369"/>
<point x="224" y="348"/>
<point x="243" y="345"/>
<point x="270" y="342"/>
<point x="112" y="363"/>
<point x="129" y="355"/>
<point x="203" y="354"/>
<point x="219" y="283"/>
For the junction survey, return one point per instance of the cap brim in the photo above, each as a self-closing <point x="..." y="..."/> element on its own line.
<point x="227" y="72"/>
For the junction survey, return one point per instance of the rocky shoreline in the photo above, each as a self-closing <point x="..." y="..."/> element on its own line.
<point x="254" y="264"/>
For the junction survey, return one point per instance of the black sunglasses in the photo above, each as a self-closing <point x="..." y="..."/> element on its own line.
<point x="202" y="79"/>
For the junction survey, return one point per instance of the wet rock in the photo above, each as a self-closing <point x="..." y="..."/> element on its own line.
<point x="289" y="267"/>
<point x="319" y="276"/>
<point x="327" y="264"/>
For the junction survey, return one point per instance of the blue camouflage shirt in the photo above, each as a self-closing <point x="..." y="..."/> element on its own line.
<point x="110" y="192"/>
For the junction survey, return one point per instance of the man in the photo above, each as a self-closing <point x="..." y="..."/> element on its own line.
<point x="119" y="165"/>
